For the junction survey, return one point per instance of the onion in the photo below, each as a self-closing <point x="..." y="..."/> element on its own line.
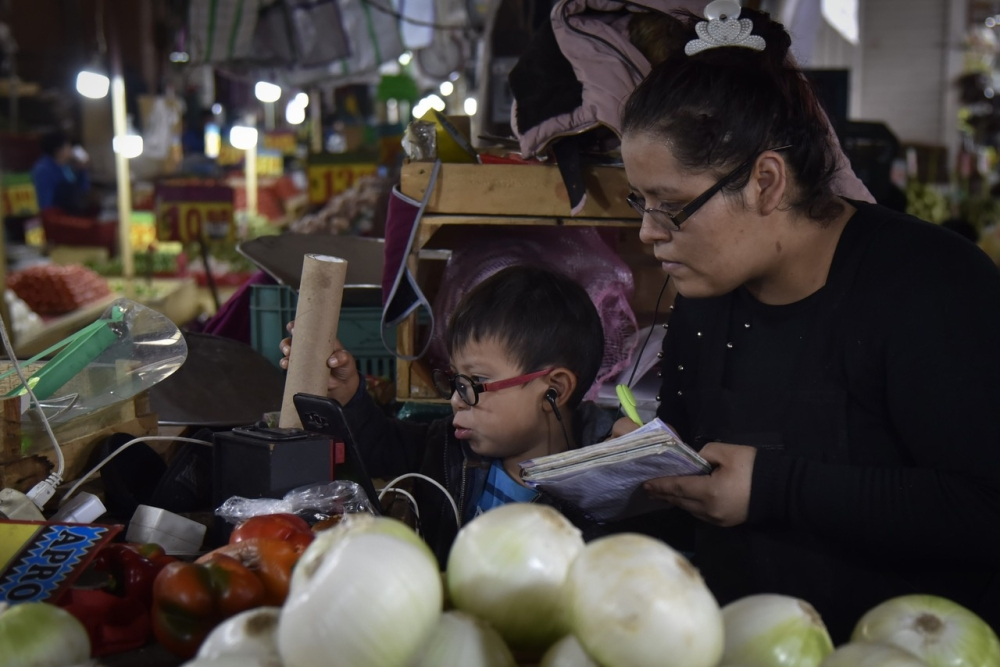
<point x="508" y="568"/>
<point x="774" y="631"/>
<point x="460" y="639"/>
<point x="634" y="601"/>
<point x="352" y="524"/>
<point x="36" y="634"/>
<point x="936" y="630"/>
<point x="567" y="652"/>
<point x="251" y="634"/>
<point x="233" y="661"/>
<point x="371" y="600"/>
<point x="871" y="655"/>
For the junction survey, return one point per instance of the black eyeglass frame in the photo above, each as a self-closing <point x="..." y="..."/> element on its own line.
<point x="447" y="383"/>
<point x="689" y="209"/>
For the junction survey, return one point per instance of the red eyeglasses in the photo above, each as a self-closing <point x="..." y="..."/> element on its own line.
<point x="468" y="389"/>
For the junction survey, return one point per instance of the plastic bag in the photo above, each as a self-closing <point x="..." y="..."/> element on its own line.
<point x="316" y="501"/>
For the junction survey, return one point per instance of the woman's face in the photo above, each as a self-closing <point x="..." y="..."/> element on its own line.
<point x="721" y="246"/>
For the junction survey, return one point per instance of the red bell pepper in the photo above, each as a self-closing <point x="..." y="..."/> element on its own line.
<point x="190" y="599"/>
<point x="117" y="615"/>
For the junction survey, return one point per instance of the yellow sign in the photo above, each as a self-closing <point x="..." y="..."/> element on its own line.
<point x="34" y="235"/>
<point x="184" y="221"/>
<point x="19" y="199"/>
<point x="327" y="180"/>
<point x="270" y="165"/>
<point x="283" y="142"/>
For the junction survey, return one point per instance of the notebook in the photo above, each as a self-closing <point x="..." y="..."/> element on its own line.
<point x="605" y="480"/>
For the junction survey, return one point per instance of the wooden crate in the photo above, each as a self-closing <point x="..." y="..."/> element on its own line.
<point x="517" y="190"/>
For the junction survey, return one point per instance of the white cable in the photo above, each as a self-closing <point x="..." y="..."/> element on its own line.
<point x="413" y="501"/>
<point x="145" y="438"/>
<point x="454" y="507"/>
<point x="45" y="489"/>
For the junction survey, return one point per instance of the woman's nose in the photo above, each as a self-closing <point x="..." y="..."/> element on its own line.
<point x="650" y="232"/>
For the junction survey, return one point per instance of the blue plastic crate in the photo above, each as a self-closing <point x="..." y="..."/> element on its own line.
<point x="273" y="306"/>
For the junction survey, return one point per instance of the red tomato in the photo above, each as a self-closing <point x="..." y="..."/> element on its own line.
<point x="284" y="527"/>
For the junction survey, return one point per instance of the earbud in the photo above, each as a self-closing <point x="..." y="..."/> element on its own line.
<point x="551" y="396"/>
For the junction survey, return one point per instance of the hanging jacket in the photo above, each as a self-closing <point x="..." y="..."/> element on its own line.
<point x="577" y="76"/>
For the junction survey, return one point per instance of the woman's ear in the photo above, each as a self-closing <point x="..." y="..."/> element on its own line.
<point x="563" y="382"/>
<point x="771" y="179"/>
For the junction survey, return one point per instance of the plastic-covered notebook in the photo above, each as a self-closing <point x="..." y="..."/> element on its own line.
<point x="604" y="480"/>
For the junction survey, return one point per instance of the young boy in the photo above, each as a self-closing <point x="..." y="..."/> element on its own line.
<point x="525" y="346"/>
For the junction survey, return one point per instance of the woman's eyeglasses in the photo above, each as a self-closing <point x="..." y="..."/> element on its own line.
<point x="468" y="389"/>
<point x="661" y="217"/>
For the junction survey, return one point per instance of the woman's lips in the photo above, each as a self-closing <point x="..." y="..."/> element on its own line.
<point x="671" y="266"/>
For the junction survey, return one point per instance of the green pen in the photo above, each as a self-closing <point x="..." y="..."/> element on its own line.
<point x="628" y="403"/>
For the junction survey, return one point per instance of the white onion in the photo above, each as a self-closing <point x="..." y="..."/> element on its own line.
<point x="634" y="601"/>
<point x="460" y="639"/>
<point x="508" y="567"/>
<point x="233" y="661"/>
<point x="936" y="630"/>
<point x="352" y="524"/>
<point x="567" y="652"/>
<point x="251" y="634"/>
<point x="871" y="655"/>
<point x="370" y="601"/>
<point x="774" y="631"/>
<point x="36" y="634"/>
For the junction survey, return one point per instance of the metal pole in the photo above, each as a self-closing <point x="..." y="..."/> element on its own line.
<point x="120" y="123"/>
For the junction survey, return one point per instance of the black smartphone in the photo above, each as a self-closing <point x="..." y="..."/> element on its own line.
<point x="324" y="415"/>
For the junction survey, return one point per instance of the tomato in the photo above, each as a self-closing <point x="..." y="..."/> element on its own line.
<point x="190" y="599"/>
<point x="283" y="527"/>
<point x="271" y="560"/>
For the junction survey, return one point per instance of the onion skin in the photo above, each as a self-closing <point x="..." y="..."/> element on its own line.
<point x="508" y="568"/>
<point x="871" y="655"/>
<point x="372" y="600"/>
<point x="635" y="602"/>
<point x="250" y="634"/>
<point x="567" y="652"/>
<point x="774" y="631"/>
<point x="940" y="632"/>
<point x="460" y="639"/>
<point x="36" y="634"/>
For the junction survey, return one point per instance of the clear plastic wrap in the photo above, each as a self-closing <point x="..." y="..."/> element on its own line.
<point x="314" y="502"/>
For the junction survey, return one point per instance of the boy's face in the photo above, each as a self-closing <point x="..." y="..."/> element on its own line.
<point x="504" y="423"/>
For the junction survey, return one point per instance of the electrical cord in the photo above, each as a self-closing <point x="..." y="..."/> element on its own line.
<point x="44" y="490"/>
<point x="389" y="487"/>
<point x="145" y="438"/>
<point x="406" y="494"/>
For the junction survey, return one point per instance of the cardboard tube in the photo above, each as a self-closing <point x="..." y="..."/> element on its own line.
<point x="316" y="316"/>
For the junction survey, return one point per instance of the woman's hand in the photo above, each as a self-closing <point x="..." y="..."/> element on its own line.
<point x="344" y="379"/>
<point x="722" y="498"/>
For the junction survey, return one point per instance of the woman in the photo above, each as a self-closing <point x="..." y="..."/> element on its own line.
<point x="836" y="362"/>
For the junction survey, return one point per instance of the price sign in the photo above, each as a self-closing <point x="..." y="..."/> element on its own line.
<point x="18" y="194"/>
<point x="282" y="141"/>
<point x="190" y="213"/>
<point x="329" y="179"/>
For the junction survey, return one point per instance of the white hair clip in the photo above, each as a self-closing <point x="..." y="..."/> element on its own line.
<point x="723" y="28"/>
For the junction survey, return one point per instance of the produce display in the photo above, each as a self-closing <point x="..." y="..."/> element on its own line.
<point x="56" y="290"/>
<point x="520" y="588"/>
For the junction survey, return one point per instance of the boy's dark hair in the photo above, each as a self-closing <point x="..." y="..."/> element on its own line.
<point x="543" y="318"/>
<point x="51" y="142"/>
<point x="723" y="106"/>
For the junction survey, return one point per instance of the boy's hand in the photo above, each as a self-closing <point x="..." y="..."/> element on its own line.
<point x="344" y="379"/>
<point x="623" y="426"/>
<point x="722" y="498"/>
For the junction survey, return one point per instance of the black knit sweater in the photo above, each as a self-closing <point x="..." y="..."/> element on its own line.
<point x="878" y="432"/>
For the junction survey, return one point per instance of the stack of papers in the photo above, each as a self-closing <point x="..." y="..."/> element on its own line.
<point x="604" y="480"/>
